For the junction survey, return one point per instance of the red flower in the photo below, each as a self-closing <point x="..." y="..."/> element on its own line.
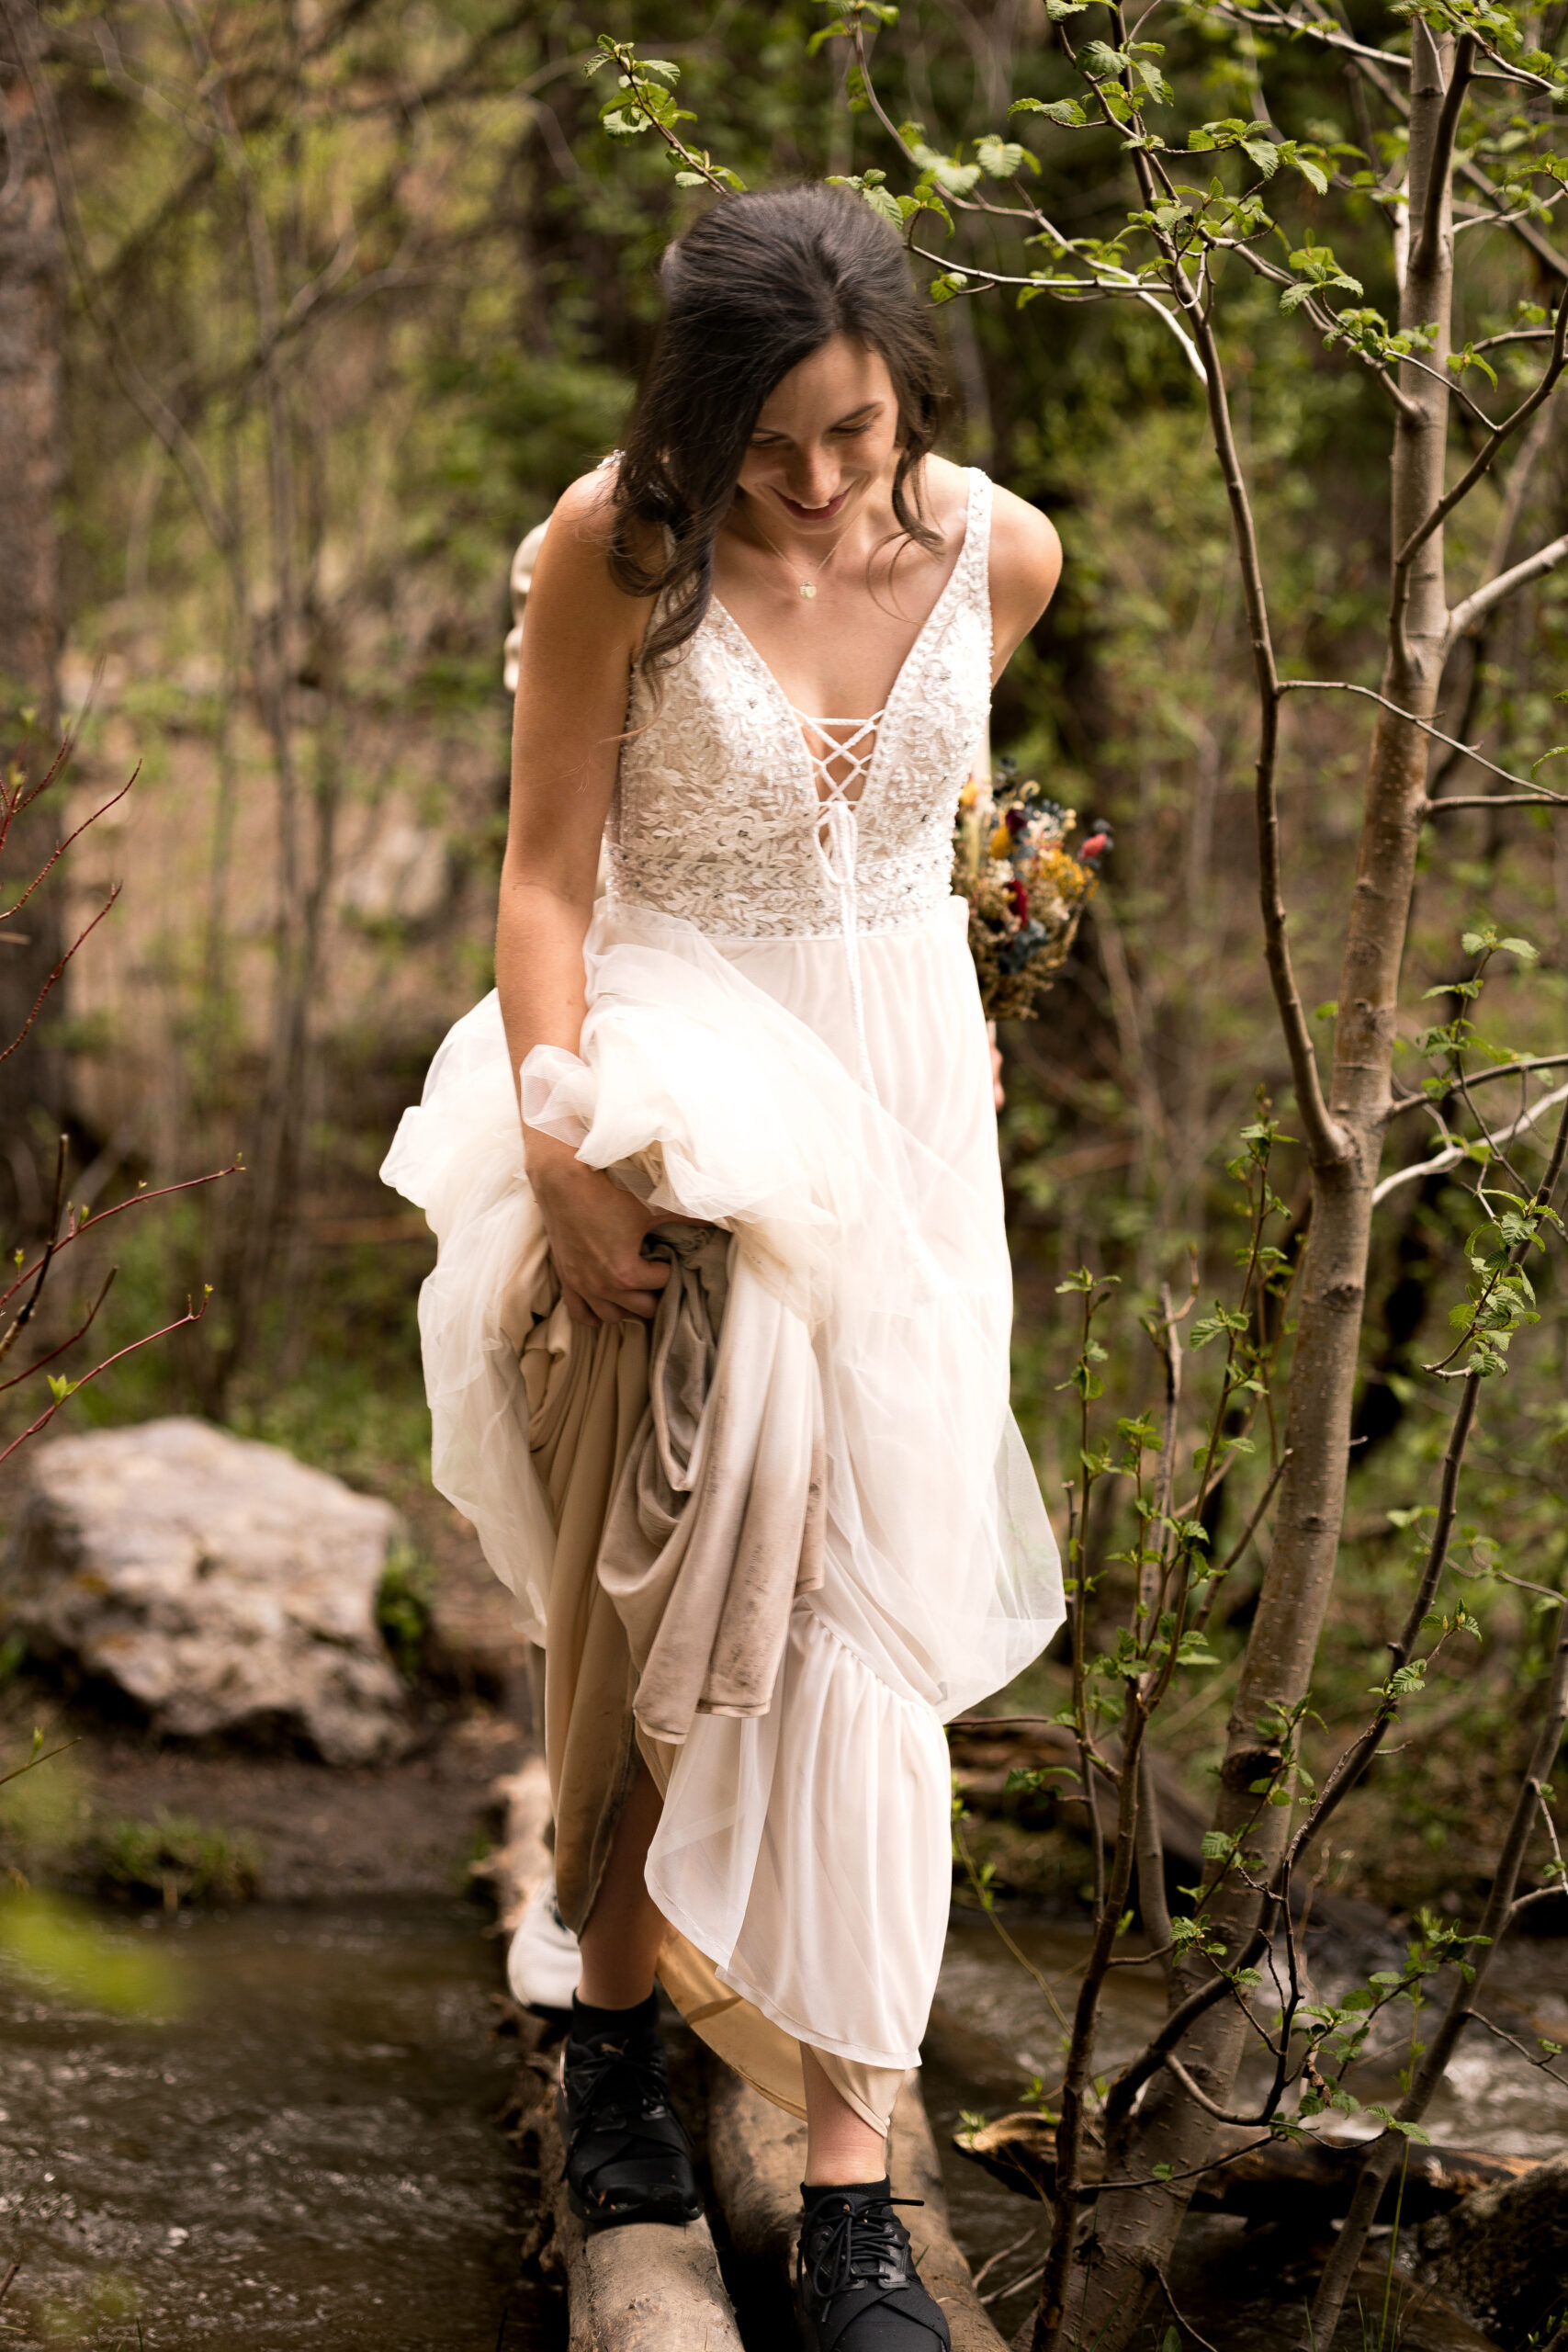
<point x="1020" y="898"/>
<point x="1096" y="846"/>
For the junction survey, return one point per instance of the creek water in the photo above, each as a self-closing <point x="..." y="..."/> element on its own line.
<point x="304" y="2148"/>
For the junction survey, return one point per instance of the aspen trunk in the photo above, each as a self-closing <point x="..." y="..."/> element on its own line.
<point x="31" y="440"/>
<point x="1136" y="2228"/>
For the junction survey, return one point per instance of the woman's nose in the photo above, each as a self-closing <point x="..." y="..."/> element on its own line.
<point x="814" y="478"/>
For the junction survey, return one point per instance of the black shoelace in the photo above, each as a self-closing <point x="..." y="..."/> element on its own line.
<point x="858" y="2248"/>
<point x="623" y="2088"/>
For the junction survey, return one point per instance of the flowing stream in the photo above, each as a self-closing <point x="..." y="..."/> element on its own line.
<point x="304" y="2151"/>
<point x="304" y="2148"/>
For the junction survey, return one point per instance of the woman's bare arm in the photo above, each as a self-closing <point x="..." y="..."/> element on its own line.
<point x="579" y="641"/>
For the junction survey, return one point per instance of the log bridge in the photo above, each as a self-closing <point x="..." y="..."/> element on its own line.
<point x="682" y="2290"/>
<point x="661" y="2289"/>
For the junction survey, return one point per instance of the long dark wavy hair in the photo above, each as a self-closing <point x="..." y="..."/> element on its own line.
<point x="753" y="288"/>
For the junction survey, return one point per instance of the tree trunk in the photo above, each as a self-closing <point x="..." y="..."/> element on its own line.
<point x="1136" y="2228"/>
<point x="32" y="277"/>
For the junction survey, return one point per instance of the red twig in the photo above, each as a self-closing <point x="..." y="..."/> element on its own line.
<point x="131" y="1200"/>
<point x="191" y="1314"/>
<point x="80" y="1333"/>
<point x="61" y="847"/>
<point x="37" y="1005"/>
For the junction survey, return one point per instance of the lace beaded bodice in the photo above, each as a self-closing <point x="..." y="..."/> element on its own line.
<point x="718" y="815"/>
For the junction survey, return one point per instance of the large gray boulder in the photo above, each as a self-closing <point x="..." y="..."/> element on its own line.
<point x="1503" y="2254"/>
<point x="219" y="1583"/>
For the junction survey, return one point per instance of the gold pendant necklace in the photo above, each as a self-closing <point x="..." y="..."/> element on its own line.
<point x="808" y="587"/>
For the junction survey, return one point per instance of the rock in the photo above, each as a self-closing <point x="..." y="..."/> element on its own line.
<point x="1503" y="2254"/>
<point x="220" y="1584"/>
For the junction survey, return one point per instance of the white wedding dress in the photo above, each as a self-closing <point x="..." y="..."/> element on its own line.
<point x="785" y="1019"/>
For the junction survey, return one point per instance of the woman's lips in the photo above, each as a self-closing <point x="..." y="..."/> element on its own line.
<point x="813" y="513"/>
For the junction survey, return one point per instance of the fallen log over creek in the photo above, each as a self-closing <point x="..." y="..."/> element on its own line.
<point x="653" y="2288"/>
<point x="1305" y="2183"/>
<point x="758" y="2155"/>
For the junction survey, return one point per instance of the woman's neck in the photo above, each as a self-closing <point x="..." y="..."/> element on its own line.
<point x="867" y="524"/>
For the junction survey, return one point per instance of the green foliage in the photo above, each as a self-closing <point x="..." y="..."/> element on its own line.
<point x="404" y="1599"/>
<point x="177" y="1861"/>
<point x="70" y="1957"/>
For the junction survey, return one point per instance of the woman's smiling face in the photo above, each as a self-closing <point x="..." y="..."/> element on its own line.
<point x="827" y="432"/>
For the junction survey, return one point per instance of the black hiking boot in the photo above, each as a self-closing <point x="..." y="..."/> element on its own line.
<point x="859" y="2288"/>
<point x="627" y="2156"/>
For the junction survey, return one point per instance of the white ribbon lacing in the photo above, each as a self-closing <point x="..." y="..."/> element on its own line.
<point x="836" y="839"/>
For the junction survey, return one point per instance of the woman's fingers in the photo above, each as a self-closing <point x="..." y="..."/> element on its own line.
<point x="609" y="1292"/>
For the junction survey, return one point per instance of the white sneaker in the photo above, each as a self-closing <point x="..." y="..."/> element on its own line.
<point x="543" y="1962"/>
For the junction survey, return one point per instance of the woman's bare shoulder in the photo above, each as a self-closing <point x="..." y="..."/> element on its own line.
<point x="1026" y="554"/>
<point x="945" y="491"/>
<point x="573" y="582"/>
<point x="1024" y="565"/>
<point x="582" y="527"/>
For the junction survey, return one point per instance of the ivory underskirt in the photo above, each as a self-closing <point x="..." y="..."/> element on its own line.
<point x="802" y="1857"/>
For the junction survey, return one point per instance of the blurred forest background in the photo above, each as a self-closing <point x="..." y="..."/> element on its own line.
<point x="349" y="291"/>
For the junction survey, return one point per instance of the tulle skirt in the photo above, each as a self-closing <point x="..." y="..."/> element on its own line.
<point x="804" y="1851"/>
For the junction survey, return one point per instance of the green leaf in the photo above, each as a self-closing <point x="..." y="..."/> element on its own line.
<point x="947" y="171"/>
<point x="870" y="185"/>
<point x="1098" y="60"/>
<point x="1000" y="159"/>
<point x="1067" y="112"/>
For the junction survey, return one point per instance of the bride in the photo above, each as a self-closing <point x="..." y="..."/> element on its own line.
<point x="717" y="1345"/>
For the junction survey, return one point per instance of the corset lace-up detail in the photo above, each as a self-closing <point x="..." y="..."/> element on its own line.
<point x="727" y="812"/>
<point x="837" y="837"/>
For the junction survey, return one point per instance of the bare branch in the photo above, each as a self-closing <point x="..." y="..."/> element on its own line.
<point x="1323" y="1139"/>
<point x="78" y="1333"/>
<point x="1433" y="807"/>
<point x="1423" y="254"/>
<point x="5" y="1051"/>
<point x="1454" y="1153"/>
<point x="7" y="913"/>
<point x="1370" y="65"/>
<point x="1500" y="434"/>
<point x="136" y="1200"/>
<point x="1471" y="610"/>
<point x="1480" y="1077"/>
<point x="191" y="1314"/>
